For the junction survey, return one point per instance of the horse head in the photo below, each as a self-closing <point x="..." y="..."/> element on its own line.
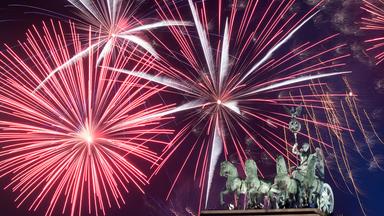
<point x="250" y="168"/>
<point x="227" y="169"/>
<point x="313" y="160"/>
<point x="320" y="162"/>
<point x="281" y="166"/>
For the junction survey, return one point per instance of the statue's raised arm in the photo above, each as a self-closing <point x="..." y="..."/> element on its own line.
<point x="295" y="150"/>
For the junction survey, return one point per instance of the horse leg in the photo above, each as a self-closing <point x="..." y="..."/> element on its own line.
<point x="302" y="197"/>
<point x="289" y="200"/>
<point x="312" y="199"/>
<point x="292" y="200"/>
<point x="222" y="193"/>
<point x="236" y="200"/>
<point x="250" y="199"/>
<point x="244" y="200"/>
<point x="272" y="193"/>
<point x="296" y="197"/>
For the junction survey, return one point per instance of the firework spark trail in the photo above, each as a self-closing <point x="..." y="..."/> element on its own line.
<point x="374" y="24"/>
<point x="331" y="116"/>
<point x="233" y="88"/>
<point x="351" y="101"/>
<point x="74" y="144"/>
<point x="114" y="22"/>
<point x="341" y="151"/>
<point x="373" y="127"/>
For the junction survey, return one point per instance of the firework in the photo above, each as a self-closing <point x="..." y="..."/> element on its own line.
<point x="114" y="22"/>
<point x="374" y="24"/>
<point x="233" y="77"/>
<point x="82" y="140"/>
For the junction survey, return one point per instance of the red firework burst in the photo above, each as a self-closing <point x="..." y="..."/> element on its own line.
<point x="374" y="25"/>
<point x="75" y="143"/>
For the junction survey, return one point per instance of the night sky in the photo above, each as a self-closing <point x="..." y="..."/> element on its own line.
<point x="17" y="16"/>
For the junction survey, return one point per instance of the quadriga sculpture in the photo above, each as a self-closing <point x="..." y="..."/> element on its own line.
<point x="305" y="187"/>
<point x="308" y="190"/>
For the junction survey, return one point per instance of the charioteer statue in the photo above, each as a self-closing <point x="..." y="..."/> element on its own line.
<point x="304" y="187"/>
<point x="300" y="172"/>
